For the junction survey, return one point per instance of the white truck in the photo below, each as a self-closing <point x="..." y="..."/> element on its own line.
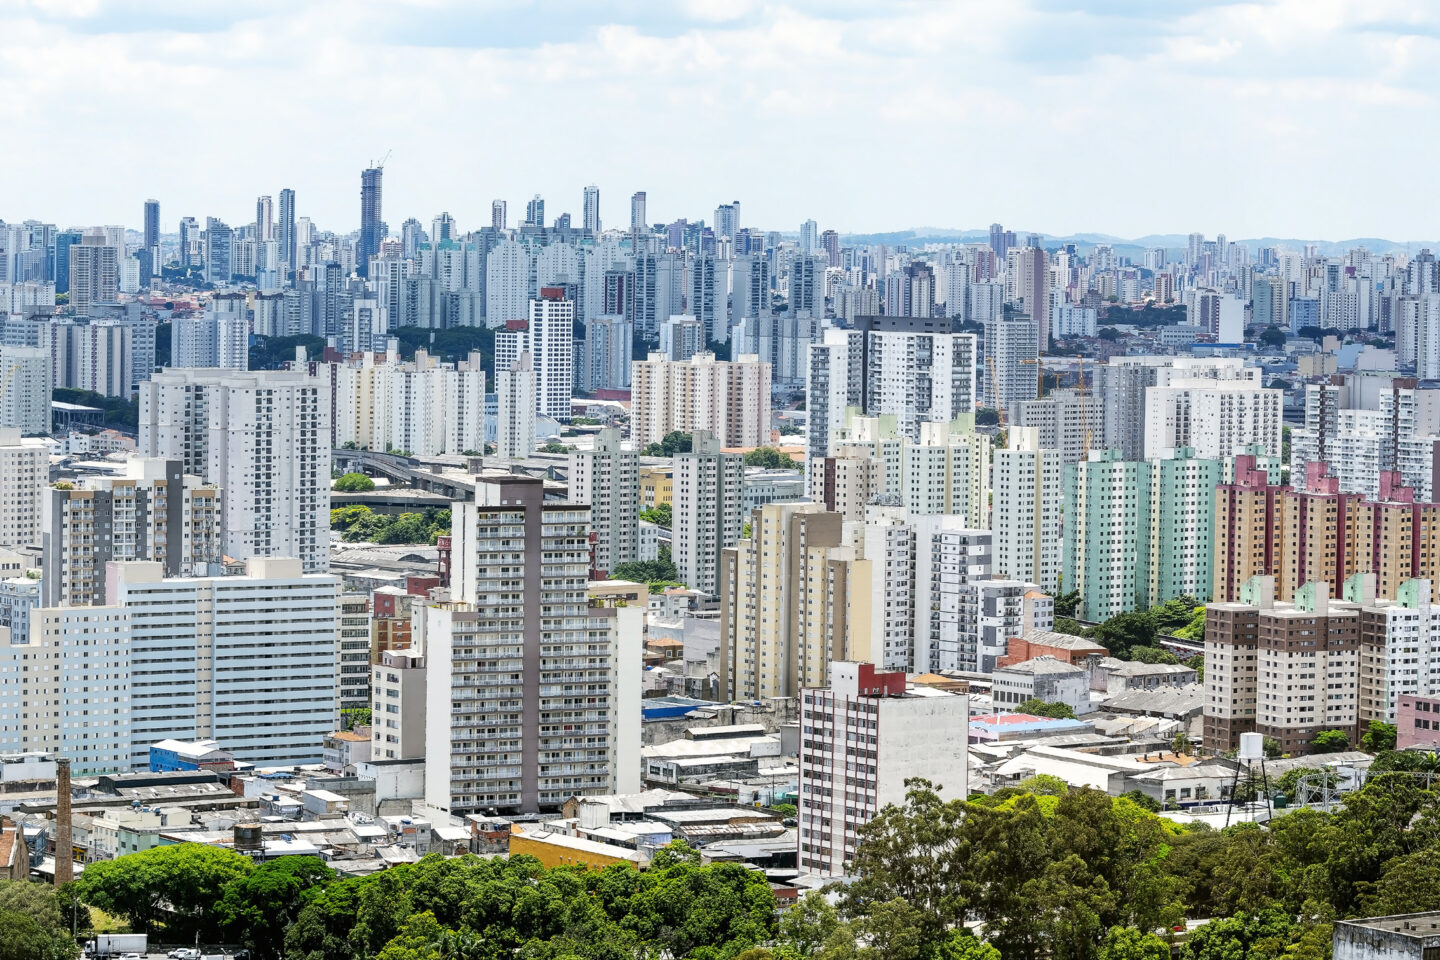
<point x="115" y="944"/>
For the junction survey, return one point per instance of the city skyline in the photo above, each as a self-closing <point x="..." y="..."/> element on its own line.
<point x="1221" y="119"/>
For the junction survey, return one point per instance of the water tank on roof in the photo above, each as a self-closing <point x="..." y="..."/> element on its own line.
<point x="1252" y="746"/>
<point x="248" y="838"/>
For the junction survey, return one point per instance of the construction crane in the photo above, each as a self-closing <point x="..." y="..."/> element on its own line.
<point x="381" y="164"/>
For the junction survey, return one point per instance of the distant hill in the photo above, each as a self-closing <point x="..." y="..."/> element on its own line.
<point x="1134" y="247"/>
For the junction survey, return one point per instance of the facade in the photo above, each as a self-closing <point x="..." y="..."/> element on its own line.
<point x="993" y="613"/>
<point x="24" y="472"/>
<point x="179" y="658"/>
<point x="533" y="696"/>
<point x="911" y="368"/>
<point x="1041" y="678"/>
<point x="152" y="512"/>
<point x="946" y="472"/>
<point x="707" y="515"/>
<point x="25" y="389"/>
<point x="861" y="738"/>
<point x="784" y="608"/>
<point x="728" y="399"/>
<point x="1012" y="357"/>
<point x="1138" y="533"/>
<point x="397" y="706"/>
<point x="1070" y="422"/>
<point x="1285" y="670"/>
<point x="607" y="477"/>
<point x="1026" y="520"/>
<point x="1317" y="533"/>
<point x="515" y="388"/>
<point x="1217" y="418"/>
<point x="420" y="406"/>
<point x="264" y="439"/>
<point x="354" y="652"/>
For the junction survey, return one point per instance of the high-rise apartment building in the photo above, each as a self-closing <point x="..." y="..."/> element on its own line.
<point x="219" y="252"/>
<point x="94" y="273"/>
<point x="24" y="472"/>
<point x="532" y="694"/>
<point x="264" y="439"/>
<point x="420" y="405"/>
<point x="638" y="226"/>
<point x="1138" y="533"/>
<point x="607" y="477"/>
<point x="708" y="516"/>
<point x="150" y="238"/>
<point x="25" y="389"/>
<point x="1315" y="533"/>
<point x="603" y="358"/>
<point x="264" y="219"/>
<point x="783" y="603"/>
<point x="1071" y="422"/>
<point x="946" y="472"/>
<point x="729" y="399"/>
<point x="1217" y="418"/>
<point x="498" y="217"/>
<point x="1012" y="359"/>
<point x="515" y="393"/>
<point x="153" y="511"/>
<point x="1285" y="670"/>
<point x="372" y="229"/>
<point x="286" y="231"/>
<point x="1028" y="492"/>
<point x="185" y="658"/>
<point x="912" y="368"/>
<point x="591" y="214"/>
<point x="862" y="737"/>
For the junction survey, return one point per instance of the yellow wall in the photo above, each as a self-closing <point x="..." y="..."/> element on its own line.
<point x="554" y="855"/>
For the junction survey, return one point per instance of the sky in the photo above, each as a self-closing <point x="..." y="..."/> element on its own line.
<point x="1287" y="118"/>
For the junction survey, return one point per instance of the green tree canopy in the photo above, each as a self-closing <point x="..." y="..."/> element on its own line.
<point x="353" y="483"/>
<point x="1039" y="708"/>
<point x="770" y="459"/>
<point x="175" y="886"/>
<point x="1331" y="741"/>
<point x="672" y="443"/>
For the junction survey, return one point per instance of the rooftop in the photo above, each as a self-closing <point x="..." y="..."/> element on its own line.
<point x="1041" y="665"/>
<point x="1406" y="924"/>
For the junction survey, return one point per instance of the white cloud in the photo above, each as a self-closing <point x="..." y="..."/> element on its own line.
<point x="1127" y="118"/>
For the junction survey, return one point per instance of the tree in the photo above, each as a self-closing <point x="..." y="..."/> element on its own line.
<point x="1039" y="708"/>
<point x="1331" y="741"/>
<point x="1066" y="604"/>
<point x="1142" y="800"/>
<point x="1127" y="943"/>
<point x="554" y="447"/>
<point x="662" y="515"/>
<point x="353" y="483"/>
<point x="987" y="417"/>
<point x="672" y="443"/>
<point x="806" y="927"/>
<point x="1044" y="785"/>
<point x="915" y="854"/>
<point x="257" y="907"/>
<point x="770" y="459"/>
<point x="962" y="945"/>
<point x="1152" y="655"/>
<point x="180" y="882"/>
<point x="22" y="937"/>
<point x="1272" y="336"/>
<point x="1197" y="663"/>
<point x="1123" y="631"/>
<point x="1378" y="736"/>
<point x="647" y="571"/>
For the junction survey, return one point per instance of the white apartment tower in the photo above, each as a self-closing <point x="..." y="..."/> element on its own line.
<point x="24" y="472"/>
<point x="1028" y="489"/>
<point x="264" y="439"/>
<point x="515" y="409"/>
<point x="607" y="477"/>
<point x="708" y="515"/>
